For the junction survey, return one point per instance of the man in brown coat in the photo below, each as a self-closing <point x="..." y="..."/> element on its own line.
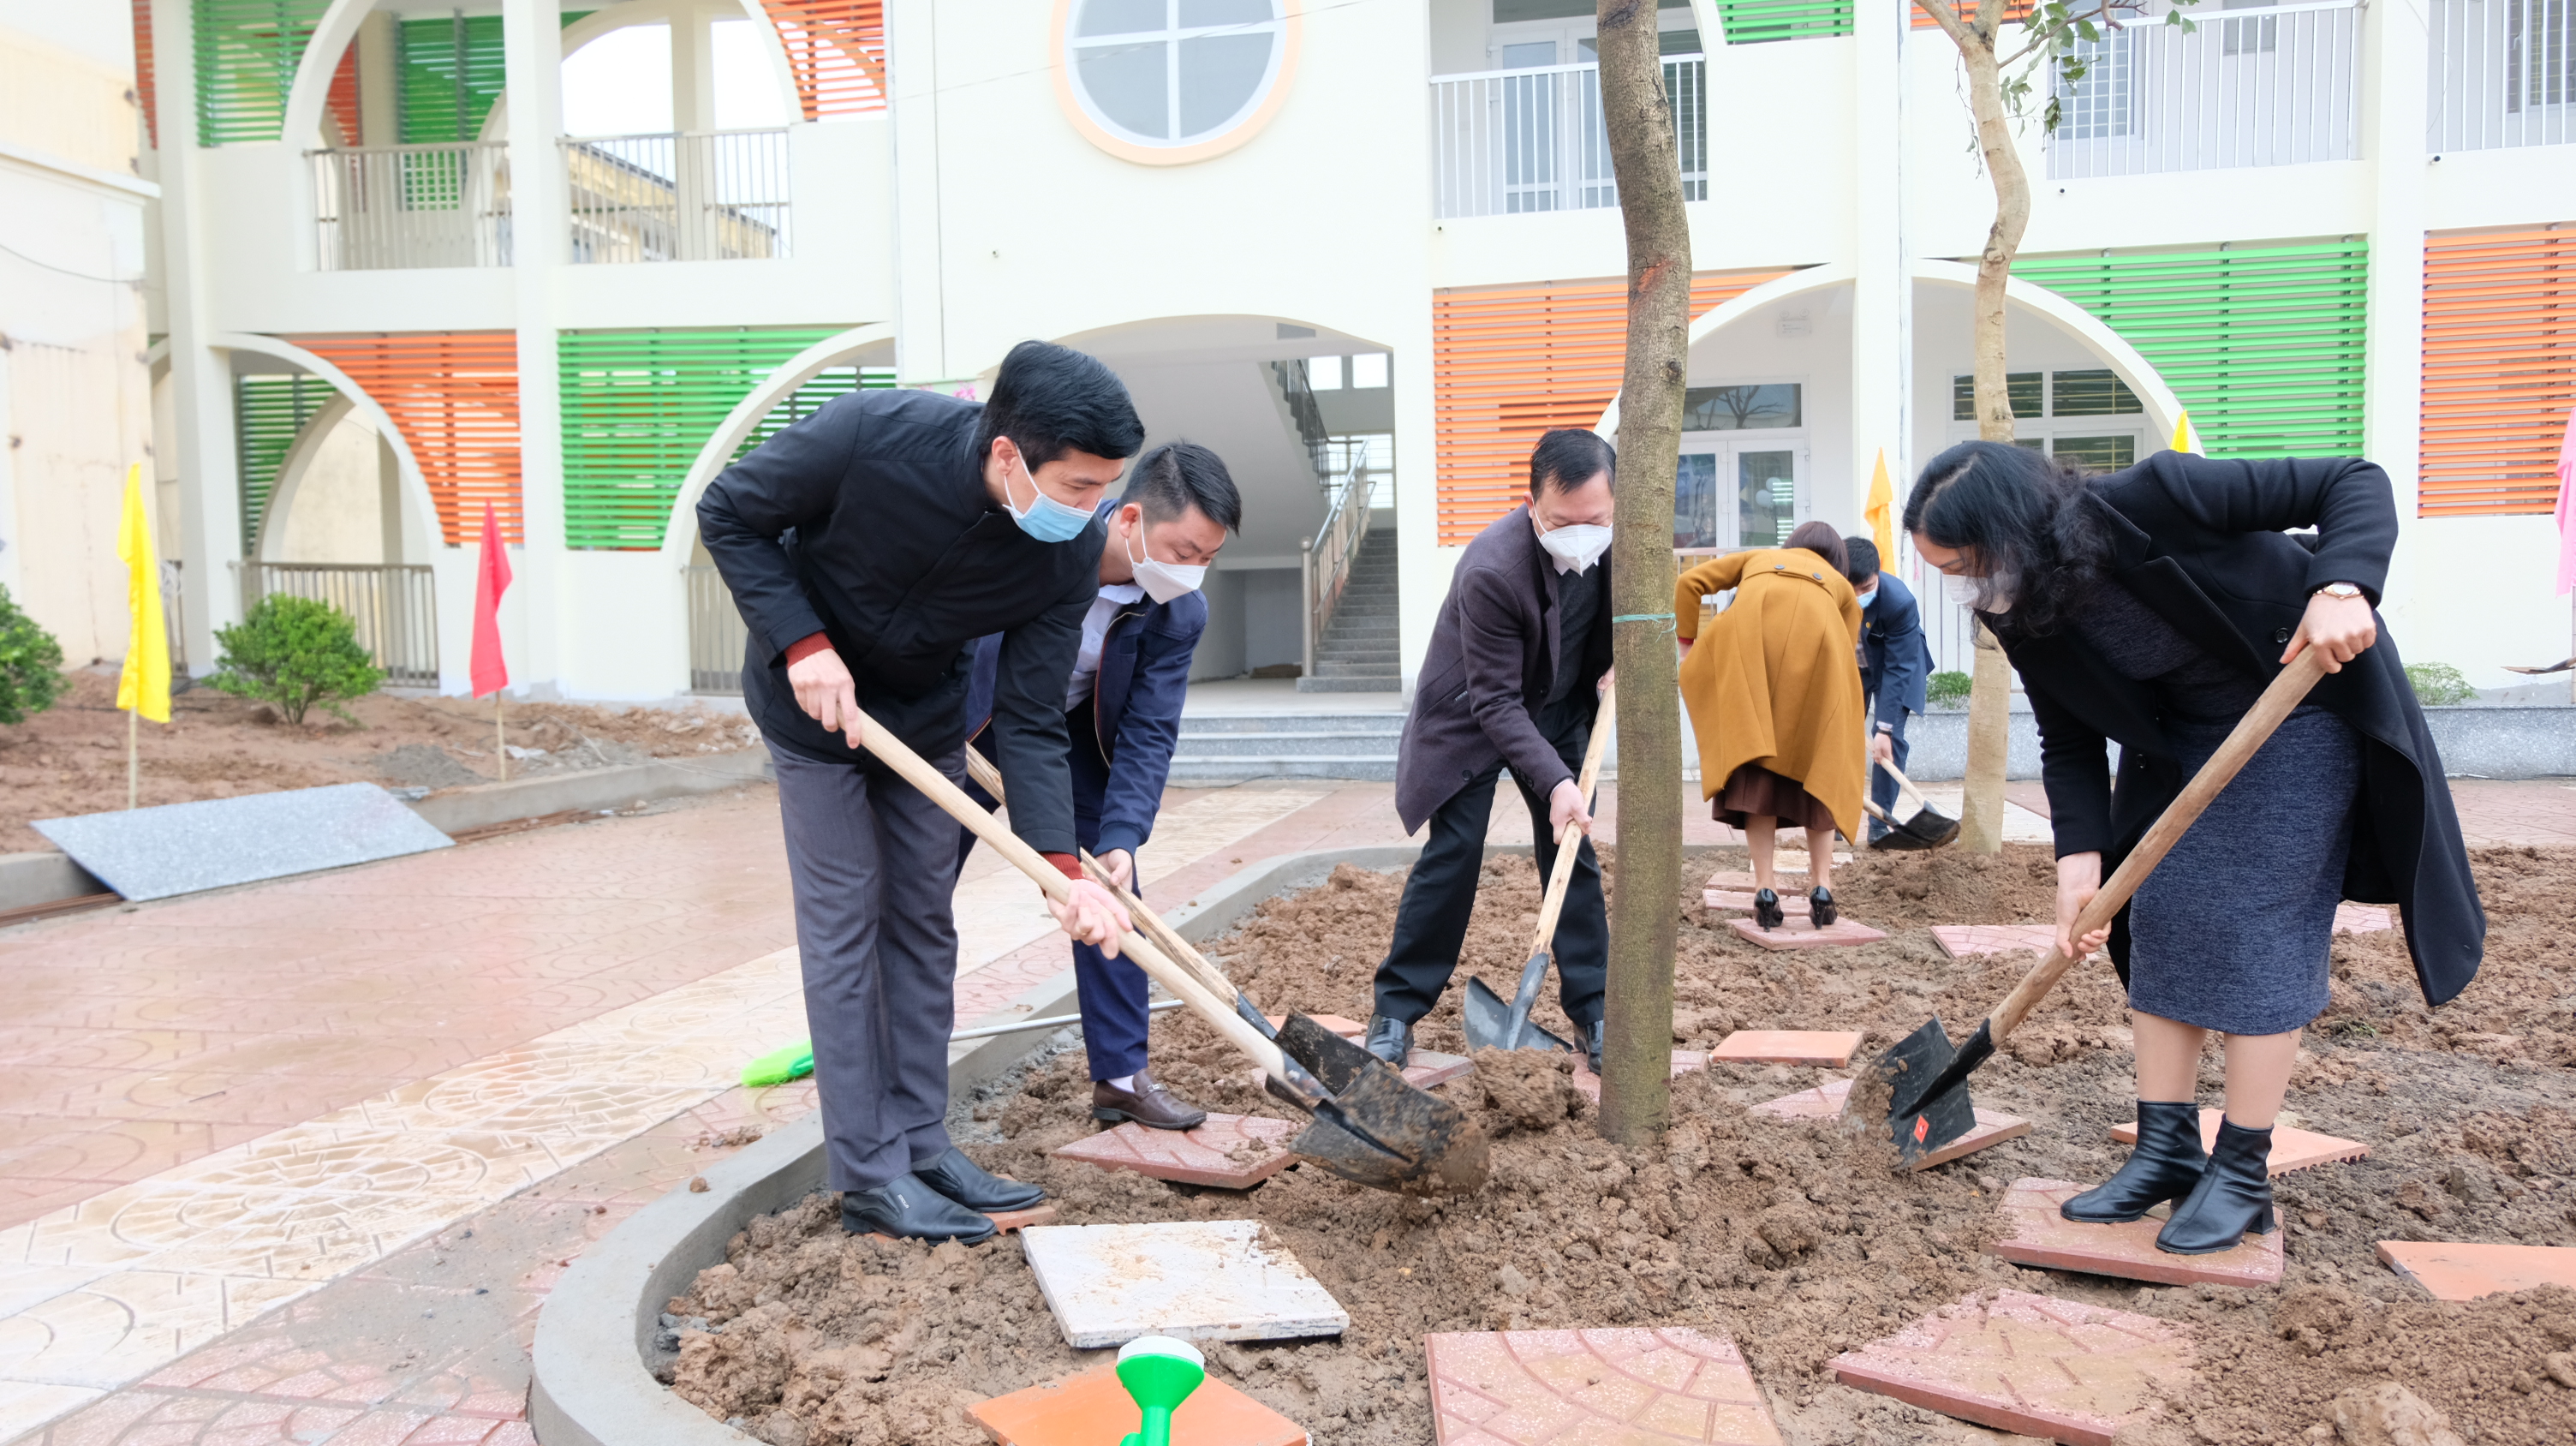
<point x="1511" y="681"/>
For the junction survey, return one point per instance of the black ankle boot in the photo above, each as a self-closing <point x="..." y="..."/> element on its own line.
<point x="2232" y="1200"/>
<point x="2166" y="1165"/>
<point x="1767" y="914"/>
<point x="1820" y="908"/>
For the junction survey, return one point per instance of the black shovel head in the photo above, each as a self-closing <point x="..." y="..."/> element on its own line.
<point x="1377" y="1130"/>
<point x="1932" y="826"/>
<point x="1928" y="1103"/>
<point x="1489" y="1022"/>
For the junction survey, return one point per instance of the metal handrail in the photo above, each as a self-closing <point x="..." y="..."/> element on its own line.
<point x="1327" y="558"/>
<point x="394" y="607"/>
<point x="1297" y="389"/>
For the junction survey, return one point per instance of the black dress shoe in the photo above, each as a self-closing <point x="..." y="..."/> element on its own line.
<point x="907" y="1209"/>
<point x="1149" y="1104"/>
<point x="2164" y="1165"/>
<point x="1592" y="1046"/>
<point x="965" y="1182"/>
<point x="1820" y="907"/>
<point x="1390" y="1039"/>
<point x="2232" y="1200"/>
<point x="1767" y="914"/>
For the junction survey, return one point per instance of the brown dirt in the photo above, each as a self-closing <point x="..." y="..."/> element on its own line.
<point x="1796" y="1239"/>
<point x="70" y="759"/>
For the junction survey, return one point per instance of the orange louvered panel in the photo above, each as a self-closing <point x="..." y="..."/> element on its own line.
<point x="342" y="98"/>
<point x="2499" y="370"/>
<point x="455" y="397"/>
<point x="1510" y="362"/>
<point x="837" y="51"/>
<point x="143" y="72"/>
<point x="2016" y="13"/>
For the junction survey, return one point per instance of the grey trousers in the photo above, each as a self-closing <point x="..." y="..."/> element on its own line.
<point x="873" y="863"/>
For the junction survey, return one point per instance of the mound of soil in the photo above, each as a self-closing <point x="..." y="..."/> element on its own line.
<point x="70" y="759"/>
<point x="1798" y="1240"/>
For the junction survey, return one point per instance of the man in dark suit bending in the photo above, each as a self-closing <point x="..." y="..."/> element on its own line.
<point x="1895" y="664"/>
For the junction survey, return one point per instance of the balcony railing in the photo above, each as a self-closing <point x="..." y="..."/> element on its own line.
<point x="2504" y="74"/>
<point x="395" y="606"/>
<point x="693" y="196"/>
<point x="380" y="208"/>
<point x="2247" y="87"/>
<point x="717" y="635"/>
<point x="1509" y="141"/>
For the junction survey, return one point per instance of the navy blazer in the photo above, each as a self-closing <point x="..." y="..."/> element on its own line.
<point x="1896" y="661"/>
<point x="1135" y="709"/>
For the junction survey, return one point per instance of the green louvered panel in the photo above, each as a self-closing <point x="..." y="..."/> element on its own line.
<point x="448" y="69"/>
<point x="2264" y="344"/>
<point x="1751" y="22"/>
<point x="246" y="53"/>
<point x="808" y="399"/>
<point x="269" y="413"/>
<point x="637" y="406"/>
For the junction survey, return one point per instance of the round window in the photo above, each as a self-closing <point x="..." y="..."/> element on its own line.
<point x="1169" y="81"/>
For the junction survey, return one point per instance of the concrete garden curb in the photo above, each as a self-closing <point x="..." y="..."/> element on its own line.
<point x="591" y="1386"/>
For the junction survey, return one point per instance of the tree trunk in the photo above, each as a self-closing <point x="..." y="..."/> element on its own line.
<point x="1636" y="1064"/>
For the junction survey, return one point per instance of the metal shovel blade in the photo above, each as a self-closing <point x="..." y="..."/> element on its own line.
<point x="1932" y="826"/>
<point x="1928" y="1105"/>
<point x="1489" y="1023"/>
<point x="1377" y="1130"/>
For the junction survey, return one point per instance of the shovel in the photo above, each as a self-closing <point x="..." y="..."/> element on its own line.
<point x="1368" y="1125"/>
<point x="1928" y="1076"/>
<point x="1491" y="1024"/>
<point x="1929" y="826"/>
<point x="1900" y="836"/>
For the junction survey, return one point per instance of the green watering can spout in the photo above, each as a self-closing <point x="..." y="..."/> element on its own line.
<point x="1159" y="1374"/>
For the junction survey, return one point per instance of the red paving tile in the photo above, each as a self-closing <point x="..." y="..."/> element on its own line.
<point x="1832" y="1048"/>
<point x="1427" y="1067"/>
<point x="2459" y="1270"/>
<point x="1799" y="934"/>
<point x="1350" y="1029"/>
<point x="1684" y="1061"/>
<point x="1740" y="901"/>
<point x="1961" y="941"/>
<point x="2042" y="1237"/>
<point x="1826" y="1101"/>
<point x="1612" y="1387"/>
<point x="2292" y="1149"/>
<point x="1742" y="881"/>
<point x="1093" y="1409"/>
<point x="2026" y="1363"/>
<point x="1230" y="1152"/>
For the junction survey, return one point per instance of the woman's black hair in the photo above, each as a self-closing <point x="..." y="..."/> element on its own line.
<point x="1821" y="539"/>
<point x="2026" y="521"/>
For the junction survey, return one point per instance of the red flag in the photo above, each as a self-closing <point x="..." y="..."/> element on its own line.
<point x="491" y="579"/>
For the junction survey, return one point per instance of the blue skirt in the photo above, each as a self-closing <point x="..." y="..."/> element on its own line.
<point x="2235" y="929"/>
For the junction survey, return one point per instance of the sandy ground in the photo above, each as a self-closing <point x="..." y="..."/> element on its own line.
<point x="1796" y="1239"/>
<point x="70" y="759"/>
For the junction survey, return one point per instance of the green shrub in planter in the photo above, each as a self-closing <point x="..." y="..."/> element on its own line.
<point x="293" y="653"/>
<point x="2438" y="683"/>
<point x="31" y="664"/>
<point x="1947" y="688"/>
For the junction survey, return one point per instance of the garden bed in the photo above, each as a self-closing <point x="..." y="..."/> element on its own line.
<point x="1795" y="1238"/>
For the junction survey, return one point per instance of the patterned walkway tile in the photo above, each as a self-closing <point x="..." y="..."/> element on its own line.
<point x="2025" y="1363"/>
<point x="2043" y="1237"/>
<point x="2291" y="1149"/>
<point x="1093" y="1409"/>
<point x="1826" y="1101"/>
<point x="1612" y="1387"/>
<point x="1832" y="1048"/>
<point x="1230" y="1152"/>
<point x="1740" y="901"/>
<point x="2458" y="1270"/>
<point x="1199" y="1280"/>
<point x="1961" y="941"/>
<point x="1800" y="934"/>
<point x="1684" y="1061"/>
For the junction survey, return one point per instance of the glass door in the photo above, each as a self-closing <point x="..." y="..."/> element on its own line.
<point x="1769" y="503"/>
<point x="1731" y="493"/>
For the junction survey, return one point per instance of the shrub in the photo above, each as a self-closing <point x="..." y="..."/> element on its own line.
<point x="31" y="664"/>
<point x="2438" y="683"/>
<point x="1947" y="688"/>
<point x="292" y="653"/>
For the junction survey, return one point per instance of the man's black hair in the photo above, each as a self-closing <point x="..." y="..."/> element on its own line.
<point x="1052" y="399"/>
<point x="1862" y="558"/>
<point x="1177" y="476"/>
<point x="1569" y="457"/>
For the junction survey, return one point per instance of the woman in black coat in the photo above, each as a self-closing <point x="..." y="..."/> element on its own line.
<point x="2149" y="608"/>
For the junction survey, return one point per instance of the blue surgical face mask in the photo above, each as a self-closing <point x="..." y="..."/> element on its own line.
<point x="1045" y="519"/>
<point x="1869" y="599"/>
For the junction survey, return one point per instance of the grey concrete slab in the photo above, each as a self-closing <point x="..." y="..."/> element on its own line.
<point x="458" y="810"/>
<point x="181" y="848"/>
<point x="1196" y="1280"/>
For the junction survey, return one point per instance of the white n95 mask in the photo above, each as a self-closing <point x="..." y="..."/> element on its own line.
<point x="1578" y="545"/>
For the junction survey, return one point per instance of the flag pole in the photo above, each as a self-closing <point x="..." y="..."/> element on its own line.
<point x="500" y="745"/>
<point x="133" y="757"/>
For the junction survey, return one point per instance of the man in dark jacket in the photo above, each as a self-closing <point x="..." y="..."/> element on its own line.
<point x="1122" y="709"/>
<point x="866" y="546"/>
<point x="1895" y="664"/>
<point x="1512" y="680"/>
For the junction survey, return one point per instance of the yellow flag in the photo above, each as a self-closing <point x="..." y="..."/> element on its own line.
<point x="1881" y="513"/>
<point x="144" y="686"/>
<point x="2184" y="438"/>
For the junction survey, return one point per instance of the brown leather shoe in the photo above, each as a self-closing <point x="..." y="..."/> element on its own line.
<point x="1148" y="1104"/>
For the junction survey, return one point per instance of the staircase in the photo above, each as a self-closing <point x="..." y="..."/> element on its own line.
<point x="1232" y="747"/>
<point x="1357" y="653"/>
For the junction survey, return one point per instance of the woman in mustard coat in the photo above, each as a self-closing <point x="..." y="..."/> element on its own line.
<point x="1775" y="700"/>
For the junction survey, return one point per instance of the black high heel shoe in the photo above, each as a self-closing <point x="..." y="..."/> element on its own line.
<point x="2232" y="1200"/>
<point x="1820" y="907"/>
<point x="1767" y="913"/>
<point x="2165" y="1164"/>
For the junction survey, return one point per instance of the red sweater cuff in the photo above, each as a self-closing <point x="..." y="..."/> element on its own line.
<point x="806" y="647"/>
<point x="1071" y="866"/>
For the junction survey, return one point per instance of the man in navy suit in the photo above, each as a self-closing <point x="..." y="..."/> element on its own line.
<point x="1123" y="710"/>
<point x="1895" y="664"/>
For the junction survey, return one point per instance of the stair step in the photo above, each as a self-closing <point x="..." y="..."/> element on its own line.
<point x="1238" y="770"/>
<point x="1198" y="725"/>
<point x="1390" y="683"/>
<point x="1287" y="745"/>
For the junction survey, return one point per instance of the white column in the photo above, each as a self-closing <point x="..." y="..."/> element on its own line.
<point x="379" y="96"/>
<point x="1882" y="295"/>
<point x="912" y="66"/>
<point x="693" y="113"/>
<point x="201" y="384"/>
<point x="532" y="45"/>
<point x="2394" y="108"/>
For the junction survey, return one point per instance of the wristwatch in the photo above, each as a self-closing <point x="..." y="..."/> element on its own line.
<point x="2338" y="590"/>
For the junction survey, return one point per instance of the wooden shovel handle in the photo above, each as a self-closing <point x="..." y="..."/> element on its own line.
<point x="1158" y="966"/>
<point x="1569" y="841"/>
<point x="2285" y="694"/>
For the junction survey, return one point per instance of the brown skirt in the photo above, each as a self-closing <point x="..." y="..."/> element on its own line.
<point x="1756" y="792"/>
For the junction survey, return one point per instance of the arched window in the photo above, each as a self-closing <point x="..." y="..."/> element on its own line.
<point x="1163" y="81"/>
